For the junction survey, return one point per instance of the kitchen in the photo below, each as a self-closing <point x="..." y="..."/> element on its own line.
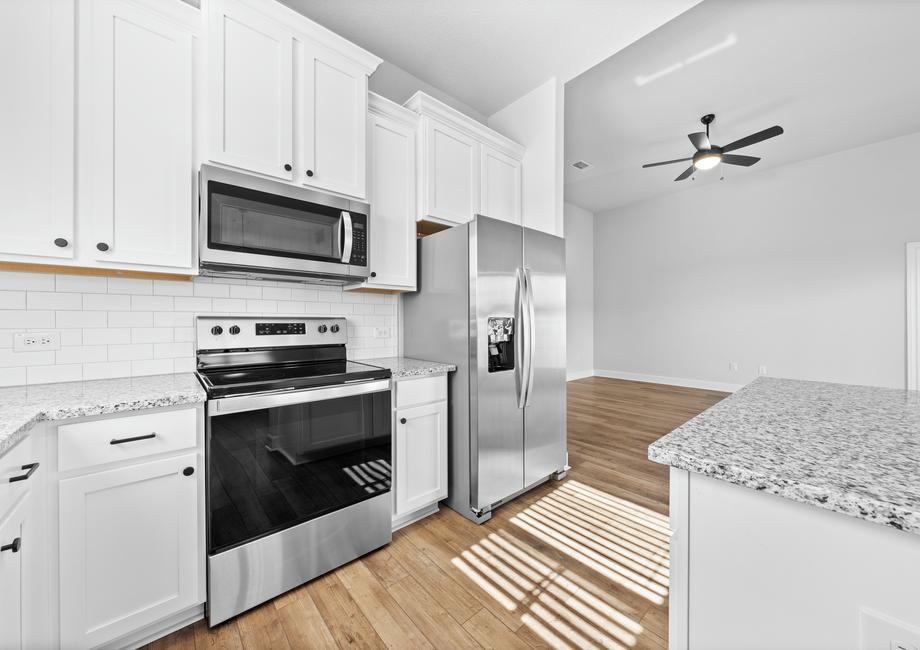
<point x="286" y="330"/>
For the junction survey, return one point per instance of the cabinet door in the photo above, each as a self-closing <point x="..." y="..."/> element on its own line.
<point x="333" y="122"/>
<point x="11" y="579"/>
<point x="36" y="128"/>
<point x="452" y="174"/>
<point x="138" y="164"/>
<point x="250" y="69"/>
<point x="501" y="186"/>
<point x="129" y="549"/>
<point x="392" y="196"/>
<point x="421" y="456"/>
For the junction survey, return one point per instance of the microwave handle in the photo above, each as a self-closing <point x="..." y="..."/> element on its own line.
<point x="346" y="237"/>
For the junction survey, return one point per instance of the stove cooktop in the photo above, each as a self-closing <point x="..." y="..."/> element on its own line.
<point x="227" y="382"/>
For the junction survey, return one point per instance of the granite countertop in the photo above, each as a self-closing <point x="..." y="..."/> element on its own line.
<point x="22" y="406"/>
<point x="850" y="449"/>
<point x="404" y="367"/>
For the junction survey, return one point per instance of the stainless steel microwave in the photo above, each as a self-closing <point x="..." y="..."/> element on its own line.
<point x="252" y="227"/>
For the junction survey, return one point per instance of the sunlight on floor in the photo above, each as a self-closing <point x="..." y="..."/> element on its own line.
<point x="625" y="543"/>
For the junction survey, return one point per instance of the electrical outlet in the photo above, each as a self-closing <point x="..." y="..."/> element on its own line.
<point x="733" y="366"/>
<point x="30" y="341"/>
<point x="381" y="332"/>
<point x="762" y="370"/>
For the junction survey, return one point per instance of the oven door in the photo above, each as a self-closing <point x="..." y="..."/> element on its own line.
<point x="280" y="459"/>
<point x="249" y="222"/>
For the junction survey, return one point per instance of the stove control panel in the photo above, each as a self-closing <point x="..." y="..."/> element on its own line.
<point x="237" y="332"/>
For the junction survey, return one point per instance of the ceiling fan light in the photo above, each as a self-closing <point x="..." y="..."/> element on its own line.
<point x="707" y="161"/>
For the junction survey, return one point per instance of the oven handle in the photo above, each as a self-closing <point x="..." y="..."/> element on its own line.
<point x="345" y="222"/>
<point x="271" y="400"/>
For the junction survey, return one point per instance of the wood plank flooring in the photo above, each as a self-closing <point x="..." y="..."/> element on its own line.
<point x="577" y="563"/>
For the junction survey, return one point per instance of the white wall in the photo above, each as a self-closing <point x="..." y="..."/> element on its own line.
<point x="536" y="121"/>
<point x="579" y="291"/>
<point x="119" y="327"/>
<point x="398" y="85"/>
<point x="799" y="268"/>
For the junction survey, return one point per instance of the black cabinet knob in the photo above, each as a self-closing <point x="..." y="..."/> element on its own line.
<point x="310" y="173"/>
<point x="234" y="329"/>
<point x="287" y="167"/>
<point x="188" y="471"/>
<point x="60" y="242"/>
<point x="102" y="246"/>
<point x="402" y="420"/>
<point x="14" y="546"/>
<point x="217" y="330"/>
<point x="373" y="274"/>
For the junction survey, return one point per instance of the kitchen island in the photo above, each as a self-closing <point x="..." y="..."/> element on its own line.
<point x="796" y="483"/>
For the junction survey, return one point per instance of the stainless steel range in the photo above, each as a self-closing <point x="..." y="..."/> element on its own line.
<point x="298" y="455"/>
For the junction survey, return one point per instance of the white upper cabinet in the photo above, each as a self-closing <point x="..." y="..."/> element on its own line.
<point x="391" y="191"/>
<point x="251" y="86"/>
<point x="288" y="98"/>
<point x="465" y="168"/>
<point x="501" y="185"/>
<point x="36" y="128"/>
<point x="136" y="128"/>
<point x="333" y="122"/>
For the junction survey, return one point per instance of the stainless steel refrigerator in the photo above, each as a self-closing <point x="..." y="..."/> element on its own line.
<point x="491" y="300"/>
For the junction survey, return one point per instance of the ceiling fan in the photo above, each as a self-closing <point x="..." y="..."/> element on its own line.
<point x="708" y="155"/>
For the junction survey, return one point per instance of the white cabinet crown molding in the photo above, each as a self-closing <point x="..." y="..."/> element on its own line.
<point x="426" y="105"/>
<point x="315" y="32"/>
<point x="379" y="105"/>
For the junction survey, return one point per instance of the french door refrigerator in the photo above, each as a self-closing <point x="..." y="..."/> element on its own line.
<point x="491" y="300"/>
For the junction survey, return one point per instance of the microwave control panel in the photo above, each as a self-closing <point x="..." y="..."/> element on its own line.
<point x="359" y="244"/>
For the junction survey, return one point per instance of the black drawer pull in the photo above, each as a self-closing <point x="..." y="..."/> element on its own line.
<point x="188" y="471"/>
<point x="14" y="546"/>
<point x="22" y="477"/>
<point x="119" y="441"/>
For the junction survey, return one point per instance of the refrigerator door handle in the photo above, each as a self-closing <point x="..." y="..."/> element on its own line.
<point x="520" y="370"/>
<point x="531" y="335"/>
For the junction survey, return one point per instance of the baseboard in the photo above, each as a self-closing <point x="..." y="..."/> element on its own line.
<point x="670" y="381"/>
<point x="571" y="375"/>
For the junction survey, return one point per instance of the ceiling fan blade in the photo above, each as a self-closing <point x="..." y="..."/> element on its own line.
<point x="760" y="136"/>
<point x="700" y="140"/>
<point x="666" y="162"/>
<point x="734" y="159"/>
<point x="686" y="174"/>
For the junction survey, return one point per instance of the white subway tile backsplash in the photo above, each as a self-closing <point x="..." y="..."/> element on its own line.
<point x="12" y="299"/>
<point x="80" y="284"/>
<point x="133" y="286"/>
<point x="116" y="327"/>
<point x="106" y="302"/>
<point x="81" y="319"/>
<point x="130" y="319"/>
<point x="54" y="300"/>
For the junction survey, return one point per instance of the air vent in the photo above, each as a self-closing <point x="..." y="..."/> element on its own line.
<point x="581" y="164"/>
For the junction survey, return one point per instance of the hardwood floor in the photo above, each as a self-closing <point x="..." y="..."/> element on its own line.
<point x="578" y="563"/>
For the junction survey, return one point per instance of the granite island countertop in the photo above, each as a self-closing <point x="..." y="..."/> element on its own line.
<point x="405" y="367"/>
<point x="850" y="449"/>
<point x="21" y="407"/>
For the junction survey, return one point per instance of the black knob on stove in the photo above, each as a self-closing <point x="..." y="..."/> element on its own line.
<point x="322" y="329"/>
<point x="334" y="328"/>
<point x="217" y="330"/>
<point x="234" y="329"/>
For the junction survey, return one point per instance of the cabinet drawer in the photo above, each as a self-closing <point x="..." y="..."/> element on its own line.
<point x="420" y="391"/>
<point x="124" y="438"/>
<point x="11" y="464"/>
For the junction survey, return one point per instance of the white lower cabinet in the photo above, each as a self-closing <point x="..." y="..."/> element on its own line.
<point x="419" y="448"/>
<point x="11" y="578"/>
<point x="129" y="552"/>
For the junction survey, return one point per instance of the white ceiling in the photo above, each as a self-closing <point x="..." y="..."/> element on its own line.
<point x="835" y="74"/>
<point x="487" y="53"/>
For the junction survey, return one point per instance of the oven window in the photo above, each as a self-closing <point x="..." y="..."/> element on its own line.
<point x="274" y="468"/>
<point x="255" y="222"/>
